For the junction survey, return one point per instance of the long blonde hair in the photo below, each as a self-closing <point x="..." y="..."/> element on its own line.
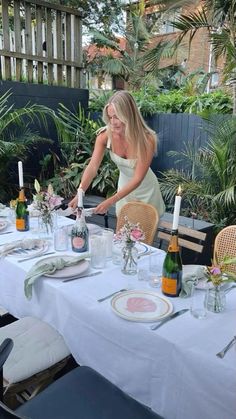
<point x="137" y="133"/>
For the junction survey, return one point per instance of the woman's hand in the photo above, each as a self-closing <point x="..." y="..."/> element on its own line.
<point x="73" y="203"/>
<point x="103" y="207"/>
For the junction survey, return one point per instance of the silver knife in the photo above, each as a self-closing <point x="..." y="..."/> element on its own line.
<point x="82" y="276"/>
<point x="35" y="256"/>
<point x="172" y="316"/>
<point x="6" y="232"/>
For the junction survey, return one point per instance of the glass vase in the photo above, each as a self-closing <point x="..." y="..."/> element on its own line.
<point x="46" y="224"/>
<point x="129" y="259"/>
<point x="215" y="299"/>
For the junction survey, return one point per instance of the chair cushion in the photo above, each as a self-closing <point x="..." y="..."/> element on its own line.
<point x="37" y="346"/>
<point x="84" y="394"/>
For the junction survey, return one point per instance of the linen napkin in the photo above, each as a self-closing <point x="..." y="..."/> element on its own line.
<point x="191" y="274"/>
<point x="48" y="268"/>
<point x="26" y="244"/>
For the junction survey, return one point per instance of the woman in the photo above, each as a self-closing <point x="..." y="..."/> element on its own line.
<point x="132" y="146"/>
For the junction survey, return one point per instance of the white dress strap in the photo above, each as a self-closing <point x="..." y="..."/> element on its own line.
<point x="109" y="143"/>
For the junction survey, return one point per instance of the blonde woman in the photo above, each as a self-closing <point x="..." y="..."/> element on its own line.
<point x="132" y="145"/>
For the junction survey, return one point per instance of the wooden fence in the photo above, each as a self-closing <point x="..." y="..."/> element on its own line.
<point x="40" y="42"/>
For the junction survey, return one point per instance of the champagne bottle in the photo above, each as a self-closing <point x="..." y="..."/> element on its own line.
<point x="22" y="213"/>
<point x="172" y="268"/>
<point x="79" y="232"/>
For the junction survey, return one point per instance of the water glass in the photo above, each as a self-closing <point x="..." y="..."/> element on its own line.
<point x="98" y="245"/>
<point x="117" y="247"/>
<point x="143" y="274"/>
<point x="197" y="303"/>
<point x="60" y="239"/>
<point x="108" y="234"/>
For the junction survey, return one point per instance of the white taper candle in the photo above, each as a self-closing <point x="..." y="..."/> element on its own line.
<point x="80" y="198"/>
<point x="20" y="173"/>
<point x="176" y="210"/>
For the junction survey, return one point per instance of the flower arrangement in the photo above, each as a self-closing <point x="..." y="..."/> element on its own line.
<point x="130" y="232"/>
<point x="220" y="272"/>
<point x="46" y="202"/>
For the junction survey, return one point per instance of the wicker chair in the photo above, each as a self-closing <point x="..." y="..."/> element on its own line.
<point x="144" y="214"/>
<point x="225" y="245"/>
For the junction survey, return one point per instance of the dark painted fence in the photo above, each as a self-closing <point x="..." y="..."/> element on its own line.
<point x="173" y="131"/>
<point x="50" y="96"/>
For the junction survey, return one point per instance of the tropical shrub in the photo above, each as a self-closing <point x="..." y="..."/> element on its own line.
<point x="18" y="141"/>
<point x="151" y="101"/>
<point x="209" y="182"/>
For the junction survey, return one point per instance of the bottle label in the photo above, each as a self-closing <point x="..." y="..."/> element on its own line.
<point x="22" y="224"/>
<point x="169" y="286"/>
<point x="78" y="242"/>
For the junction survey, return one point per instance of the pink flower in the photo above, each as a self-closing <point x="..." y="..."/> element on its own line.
<point x="136" y="234"/>
<point x="215" y="270"/>
<point x="130" y="232"/>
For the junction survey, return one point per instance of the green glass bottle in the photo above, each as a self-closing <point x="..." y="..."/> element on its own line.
<point x="172" y="268"/>
<point x="22" y="213"/>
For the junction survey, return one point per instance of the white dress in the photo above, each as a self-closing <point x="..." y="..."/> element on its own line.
<point x="148" y="191"/>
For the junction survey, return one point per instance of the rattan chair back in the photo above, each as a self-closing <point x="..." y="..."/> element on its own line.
<point x="144" y="214"/>
<point x="225" y="245"/>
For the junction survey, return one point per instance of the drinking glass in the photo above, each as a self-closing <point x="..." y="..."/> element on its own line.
<point x="155" y="268"/>
<point x="98" y="245"/>
<point x="60" y="239"/>
<point x="197" y="302"/>
<point x="108" y="234"/>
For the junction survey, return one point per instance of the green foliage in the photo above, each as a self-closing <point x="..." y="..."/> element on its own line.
<point x="151" y="101"/>
<point x="209" y="183"/>
<point x="77" y="134"/>
<point x="17" y="141"/>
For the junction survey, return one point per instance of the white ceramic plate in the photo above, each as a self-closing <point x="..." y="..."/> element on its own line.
<point x="142" y="248"/>
<point x="141" y="306"/>
<point x="67" y="272"/>
<point x="31" y="247"/>
<point x="3" y="224"/>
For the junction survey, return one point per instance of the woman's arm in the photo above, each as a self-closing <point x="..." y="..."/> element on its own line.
<point x="142" y="166"/>
<point x="93" y="166"/>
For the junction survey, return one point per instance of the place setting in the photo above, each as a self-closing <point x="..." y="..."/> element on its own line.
<point x="24" y="249"/>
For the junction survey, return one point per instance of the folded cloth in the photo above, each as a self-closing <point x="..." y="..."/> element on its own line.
<point x="25" y="244"/>
<point x="191" y="274"/>
<point x="48" y="268"/>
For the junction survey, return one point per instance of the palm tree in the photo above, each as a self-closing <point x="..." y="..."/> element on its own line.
<point x="17" y="140"/>
<point x="218" y="17"/>
<point x="135" y="62"/>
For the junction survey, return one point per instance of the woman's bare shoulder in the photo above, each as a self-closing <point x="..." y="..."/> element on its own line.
<point x="102" y="136"/>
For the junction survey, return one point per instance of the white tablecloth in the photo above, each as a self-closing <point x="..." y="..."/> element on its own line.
<point x="174" y="369"/>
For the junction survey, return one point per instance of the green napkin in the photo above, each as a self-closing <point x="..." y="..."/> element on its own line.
<point x="191" y="274"/>
<point x="48" y="268"/>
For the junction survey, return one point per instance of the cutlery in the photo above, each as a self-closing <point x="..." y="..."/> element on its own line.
<point x="35" y="256"/>
<point x="82" y="276"/>
<point x="7" y="232"/>
<point x="110" y="295"/>
<point x="222" y="353"/>
<point x="172" y="316"/>
<point x="230" y="288"/>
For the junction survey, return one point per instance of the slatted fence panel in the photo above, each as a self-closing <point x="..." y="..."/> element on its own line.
<point x="39" y="45"/>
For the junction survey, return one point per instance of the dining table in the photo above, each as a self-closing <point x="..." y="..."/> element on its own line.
<point x="174" y="369"/>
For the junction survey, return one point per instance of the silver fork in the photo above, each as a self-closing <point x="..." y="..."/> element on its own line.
<point x="110" y="295"/>
<point x="222" y="353"/>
